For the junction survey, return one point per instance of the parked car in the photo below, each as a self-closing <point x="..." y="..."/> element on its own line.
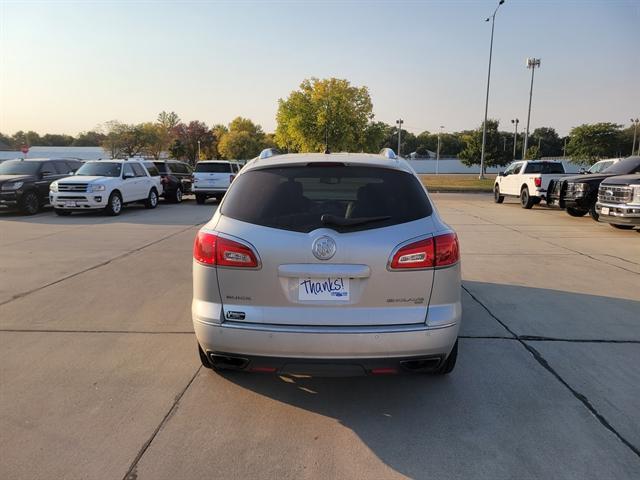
<point x="327" y="264"/>
<point x="619" y="201"/>
<point x="528" y="180"/>
<point x="105" y="185"/>
<point x="600" y="165"/>
<point x="24" y="183"/>
<point x="176" y="178"/>
<point x="211" y="179"/>
<point x="578" y="194"/>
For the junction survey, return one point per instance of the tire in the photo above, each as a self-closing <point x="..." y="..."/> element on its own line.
<point x="200" y="199"/>
<point x="62" y="213"/>
<point x="177" y="196"/>
<point x="152" y="199"/>
<point x="29" y="203"/>
<point x="497" y="198"/>
<point x="576" y="212"/>
<point x="525" y="199"/>
<point x="622" y="227"/>
<point x="203" y="358"/>
<point x="595" y="215"/>
<point x="450" y="363"/>
<point x="114" y="205"/>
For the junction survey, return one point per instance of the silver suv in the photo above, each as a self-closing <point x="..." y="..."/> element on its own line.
<point x="327" y="264"/>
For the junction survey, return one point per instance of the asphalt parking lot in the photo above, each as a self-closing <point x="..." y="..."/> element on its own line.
<point x="100" y="378"/>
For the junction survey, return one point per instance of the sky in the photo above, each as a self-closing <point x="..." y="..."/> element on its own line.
<point x="69" y="66"/>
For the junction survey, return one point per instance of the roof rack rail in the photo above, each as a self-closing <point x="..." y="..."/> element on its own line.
<point x="388" y="153"/>
<point x="268" y="152"/>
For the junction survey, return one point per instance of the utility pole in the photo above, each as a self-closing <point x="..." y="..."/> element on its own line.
<point x="564" y="148"/>
<point x="635" y="132"/>
<point x="515" y="136"/>
<point x="198" y="150"/>
<point x="486" y="103"/>
<point x="438" y="151"/>
<point x="399" y="122"/>
<point x="532" y="63"/>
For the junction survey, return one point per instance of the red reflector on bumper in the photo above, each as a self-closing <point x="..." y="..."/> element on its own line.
<point x="263" y="369"/>
<point x="384" y="371"/>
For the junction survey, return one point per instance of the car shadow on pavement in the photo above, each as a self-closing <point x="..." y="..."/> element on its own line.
<point x="485" y="420"/>
<point x="185" y="213"/>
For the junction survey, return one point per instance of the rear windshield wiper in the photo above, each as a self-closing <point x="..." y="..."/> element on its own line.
<point x="328" y="219"/>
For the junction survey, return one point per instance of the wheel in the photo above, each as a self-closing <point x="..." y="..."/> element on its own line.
<point x="114" y="205"/>
<point x="177" y="196"/>
<point x="450" y="363"/>
<point x="622" y="227"/>
<point x="203" y="358"/>
<point x="152" y="199"/>
<point x="62" y="213"/>
<point x="200" y="199"/>
<point x="576" y="212"/>
<point x="525" y="199"/>
<point x="29" y="203"/>
<point x="496" y="195"/>
<point x="592" y="211"/>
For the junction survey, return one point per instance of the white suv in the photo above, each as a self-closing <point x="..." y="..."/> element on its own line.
<point x="105" y="185"/>
<point x="212" y="178"/>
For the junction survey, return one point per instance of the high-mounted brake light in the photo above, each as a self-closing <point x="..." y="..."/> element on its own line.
<point x="537" y="181"/>
<point x="212" y="249"/>
<point x="440" y="251"/>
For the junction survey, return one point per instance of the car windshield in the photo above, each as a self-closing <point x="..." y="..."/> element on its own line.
<point x="100" y="169"/>
<point x="304" y="198"/>
<point x="213" y="167"/>
<point x="624" y="167"/>
<point x="19" y="167"/>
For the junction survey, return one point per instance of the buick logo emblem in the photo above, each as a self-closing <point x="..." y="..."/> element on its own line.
<point x="324" y="248"/>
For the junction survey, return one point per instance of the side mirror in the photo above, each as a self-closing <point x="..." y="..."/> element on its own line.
<point x="501" y="174"/>
<point x="583" y="170"/>
<point x="128" y="175"/>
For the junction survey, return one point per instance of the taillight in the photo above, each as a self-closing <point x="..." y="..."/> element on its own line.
<point x="231" y="177"/>
<point x="440" y="251"/>
<point x="211" y="249"/>
<point x="537" y="181"/>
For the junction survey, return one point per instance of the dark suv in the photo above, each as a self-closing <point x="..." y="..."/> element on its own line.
<point x="24" y="184"/>
<point x="176" y="178"/>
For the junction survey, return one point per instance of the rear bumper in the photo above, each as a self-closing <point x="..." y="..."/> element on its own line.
<point x="209" y="191"/>
<point x="395" y="342"/>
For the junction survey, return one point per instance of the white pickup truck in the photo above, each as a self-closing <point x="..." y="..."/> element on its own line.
<point x="528" y="180"/>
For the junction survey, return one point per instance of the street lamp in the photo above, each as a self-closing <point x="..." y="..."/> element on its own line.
<point x="532" y="63"/>
<point x="198" y="150"/>
<point x="438" y="151"/>
<point x="635" y="131"/>
<point x="515" y="136"/>
<point x="486" y="103"/>
<point x="399" y="122"/>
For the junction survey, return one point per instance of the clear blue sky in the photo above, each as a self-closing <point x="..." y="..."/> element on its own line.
<point x="69" y="66"/>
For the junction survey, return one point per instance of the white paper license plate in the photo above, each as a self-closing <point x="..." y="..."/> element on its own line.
<point x="70" y="204"/>
<point x="605" y="210"/>
<point x="328" y="288"/>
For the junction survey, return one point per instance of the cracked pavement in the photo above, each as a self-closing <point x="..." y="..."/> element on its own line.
<point x="100" y="378"/>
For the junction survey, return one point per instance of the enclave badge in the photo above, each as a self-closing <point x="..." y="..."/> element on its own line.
<point x="324" y="248"/>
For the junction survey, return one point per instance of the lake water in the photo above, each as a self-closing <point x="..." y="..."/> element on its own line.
<point x="93" y="153"/>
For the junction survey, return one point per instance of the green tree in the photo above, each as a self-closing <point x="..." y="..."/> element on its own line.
<point x="592" y="142"/>
<point x="89" y="139"/>
<point x="534" y="153"/>
<point x="330" y="108"/>
<point x="550" y="142"/>
<point x="168" y="120"/>
<point x="190" y="138"/>
<point x="53" y="140"/>
<point x="495" y="153"/>
<point x="156" y="139"/>
<point x="123" y="140"/>
<point x="243" y="140"/>
<point x="375" y="136"/>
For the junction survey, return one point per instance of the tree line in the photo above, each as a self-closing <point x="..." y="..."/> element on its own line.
<point x="332" y="114"/>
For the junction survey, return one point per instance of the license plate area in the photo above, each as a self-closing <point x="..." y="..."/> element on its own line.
<point x="605" y="210"/>
<point x="331" y="289"/>
<point x="69" y="203"/>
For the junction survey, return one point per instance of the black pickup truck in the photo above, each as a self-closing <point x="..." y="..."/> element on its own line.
<point x="578" y="194"/>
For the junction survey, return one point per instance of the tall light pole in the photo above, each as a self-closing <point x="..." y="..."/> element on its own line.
<point x="532" y="63"/>
<point x="515" y="136"/>
<point x="198" y="150"/>
<point x="635" y="131"/>
<point x="399" y="122"/>
<point x="486" y="103"/>
<point x="438" y="151"/>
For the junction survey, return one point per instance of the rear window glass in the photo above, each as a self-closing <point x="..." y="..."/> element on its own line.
<point x="152" y="169"/>
<point x="213" y="167"/>
<point x="161" y="166"/>
<point x="342" y="198"/>
<point x="544" y="167"/>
